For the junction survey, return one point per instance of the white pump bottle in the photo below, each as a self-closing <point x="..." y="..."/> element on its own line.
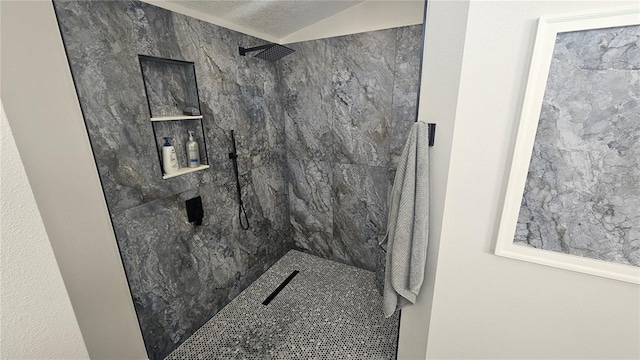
<point x="169" y="157"/>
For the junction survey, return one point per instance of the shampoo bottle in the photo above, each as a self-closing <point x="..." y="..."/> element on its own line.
<point x="169" y="158"/>
<point x="193" y="152"/>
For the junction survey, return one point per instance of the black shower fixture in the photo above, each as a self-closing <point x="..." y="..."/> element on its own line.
<point x="242" y="212"/>
<point x="270" y="52"/>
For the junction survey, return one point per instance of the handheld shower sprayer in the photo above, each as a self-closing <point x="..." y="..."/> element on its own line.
<point x="242" y="213"/>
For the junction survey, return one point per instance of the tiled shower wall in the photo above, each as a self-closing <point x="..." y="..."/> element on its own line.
<point x="349" y="103"/>
<point x="180" y="274"/>
<point x="317" y="133"/>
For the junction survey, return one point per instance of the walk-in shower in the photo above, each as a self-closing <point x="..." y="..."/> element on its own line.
<point x="316" y="135"/>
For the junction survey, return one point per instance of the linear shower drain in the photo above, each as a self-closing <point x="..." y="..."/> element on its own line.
<point x="280" y="287"/>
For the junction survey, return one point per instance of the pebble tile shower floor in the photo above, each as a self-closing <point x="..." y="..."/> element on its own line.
<point x="328" y="311"/>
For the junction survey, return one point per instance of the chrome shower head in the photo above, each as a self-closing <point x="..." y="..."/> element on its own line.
<point x="270" y="52"/>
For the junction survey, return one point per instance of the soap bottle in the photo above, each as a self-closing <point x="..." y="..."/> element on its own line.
<point x="193" y="152"/>
<point x="169" y="158"/>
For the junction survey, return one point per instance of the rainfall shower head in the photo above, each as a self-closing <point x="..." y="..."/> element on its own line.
<point x="270" y="52"/>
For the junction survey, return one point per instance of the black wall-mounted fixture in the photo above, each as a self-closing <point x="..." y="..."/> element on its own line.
<point x="195" y="213"/>
<point x="271" y="52"/>
<point x="432" y="134"/>
<point x="242" y="212"/>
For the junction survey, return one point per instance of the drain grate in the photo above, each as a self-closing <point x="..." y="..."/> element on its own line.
<point x="280" y="287"/>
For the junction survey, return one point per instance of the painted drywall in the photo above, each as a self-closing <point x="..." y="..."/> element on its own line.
<point x="363" y="17"/>
<point x="485" y="306"/>
<point x="274" y="17"/>
<point x="43" y="111"/>
<point x="213" y="19"/>
<point x="366" y="16"/>
<point x="37" y="318"/>
<point x="442" y="60"/>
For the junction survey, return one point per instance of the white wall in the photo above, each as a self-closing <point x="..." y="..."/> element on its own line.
<point x="369" y="15"/>
<point x="485" y="306"/>
<point x="37" y="318"/>
<point x="442" y="62"/>
<point x="44" y="114"/>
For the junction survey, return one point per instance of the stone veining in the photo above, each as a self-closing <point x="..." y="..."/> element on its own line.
<point x="316" y="135"/>
<point x="179" y="275"/>
<point x="349" y="103"/>
<point x="582" y="195"/>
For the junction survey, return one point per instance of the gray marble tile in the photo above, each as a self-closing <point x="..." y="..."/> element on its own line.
<point x="367" y="86"/>
<point x="170" y="87"/>
<point x="214" y="51"/>
<point x="103" y="53"/>
<point x="361" y="94"/>
<point x="615" y="48"/>
<point x="305" y="93"/>
<point x="311" y="205"/>
<point x="582" y="195"/>
<point x="157" y="243"/>
<point x="188" y="273"/>
<point x="270" y="189"/>
<point x="261" y="129"/>
<point x="360" y="213"/>
<point x="179" y="275"/>
<point x="406" y="84"/>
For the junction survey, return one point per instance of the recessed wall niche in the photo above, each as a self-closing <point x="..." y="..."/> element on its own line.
<point x="171" y="87"/>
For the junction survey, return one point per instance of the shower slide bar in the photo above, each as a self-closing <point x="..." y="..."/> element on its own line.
<point x="242" y="212"/>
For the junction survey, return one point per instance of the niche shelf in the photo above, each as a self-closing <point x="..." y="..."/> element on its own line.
<point x="177" y="117"/>
<point x="185" y="170"/>
<point x="170" y="86"/>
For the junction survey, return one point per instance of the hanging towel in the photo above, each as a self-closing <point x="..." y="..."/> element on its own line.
<point x="408" y="225"/>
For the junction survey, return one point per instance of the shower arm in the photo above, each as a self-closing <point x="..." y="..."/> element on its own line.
<point x="243" y="51"/>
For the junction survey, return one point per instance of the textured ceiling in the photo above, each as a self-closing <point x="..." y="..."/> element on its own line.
<point x="277" y="18"/>
<point x="290" y="21"/>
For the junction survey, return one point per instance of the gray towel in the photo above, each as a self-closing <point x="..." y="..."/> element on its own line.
<point x="408" y="224"/>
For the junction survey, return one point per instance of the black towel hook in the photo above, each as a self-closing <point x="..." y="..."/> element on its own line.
<point x="432" y="133"/>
